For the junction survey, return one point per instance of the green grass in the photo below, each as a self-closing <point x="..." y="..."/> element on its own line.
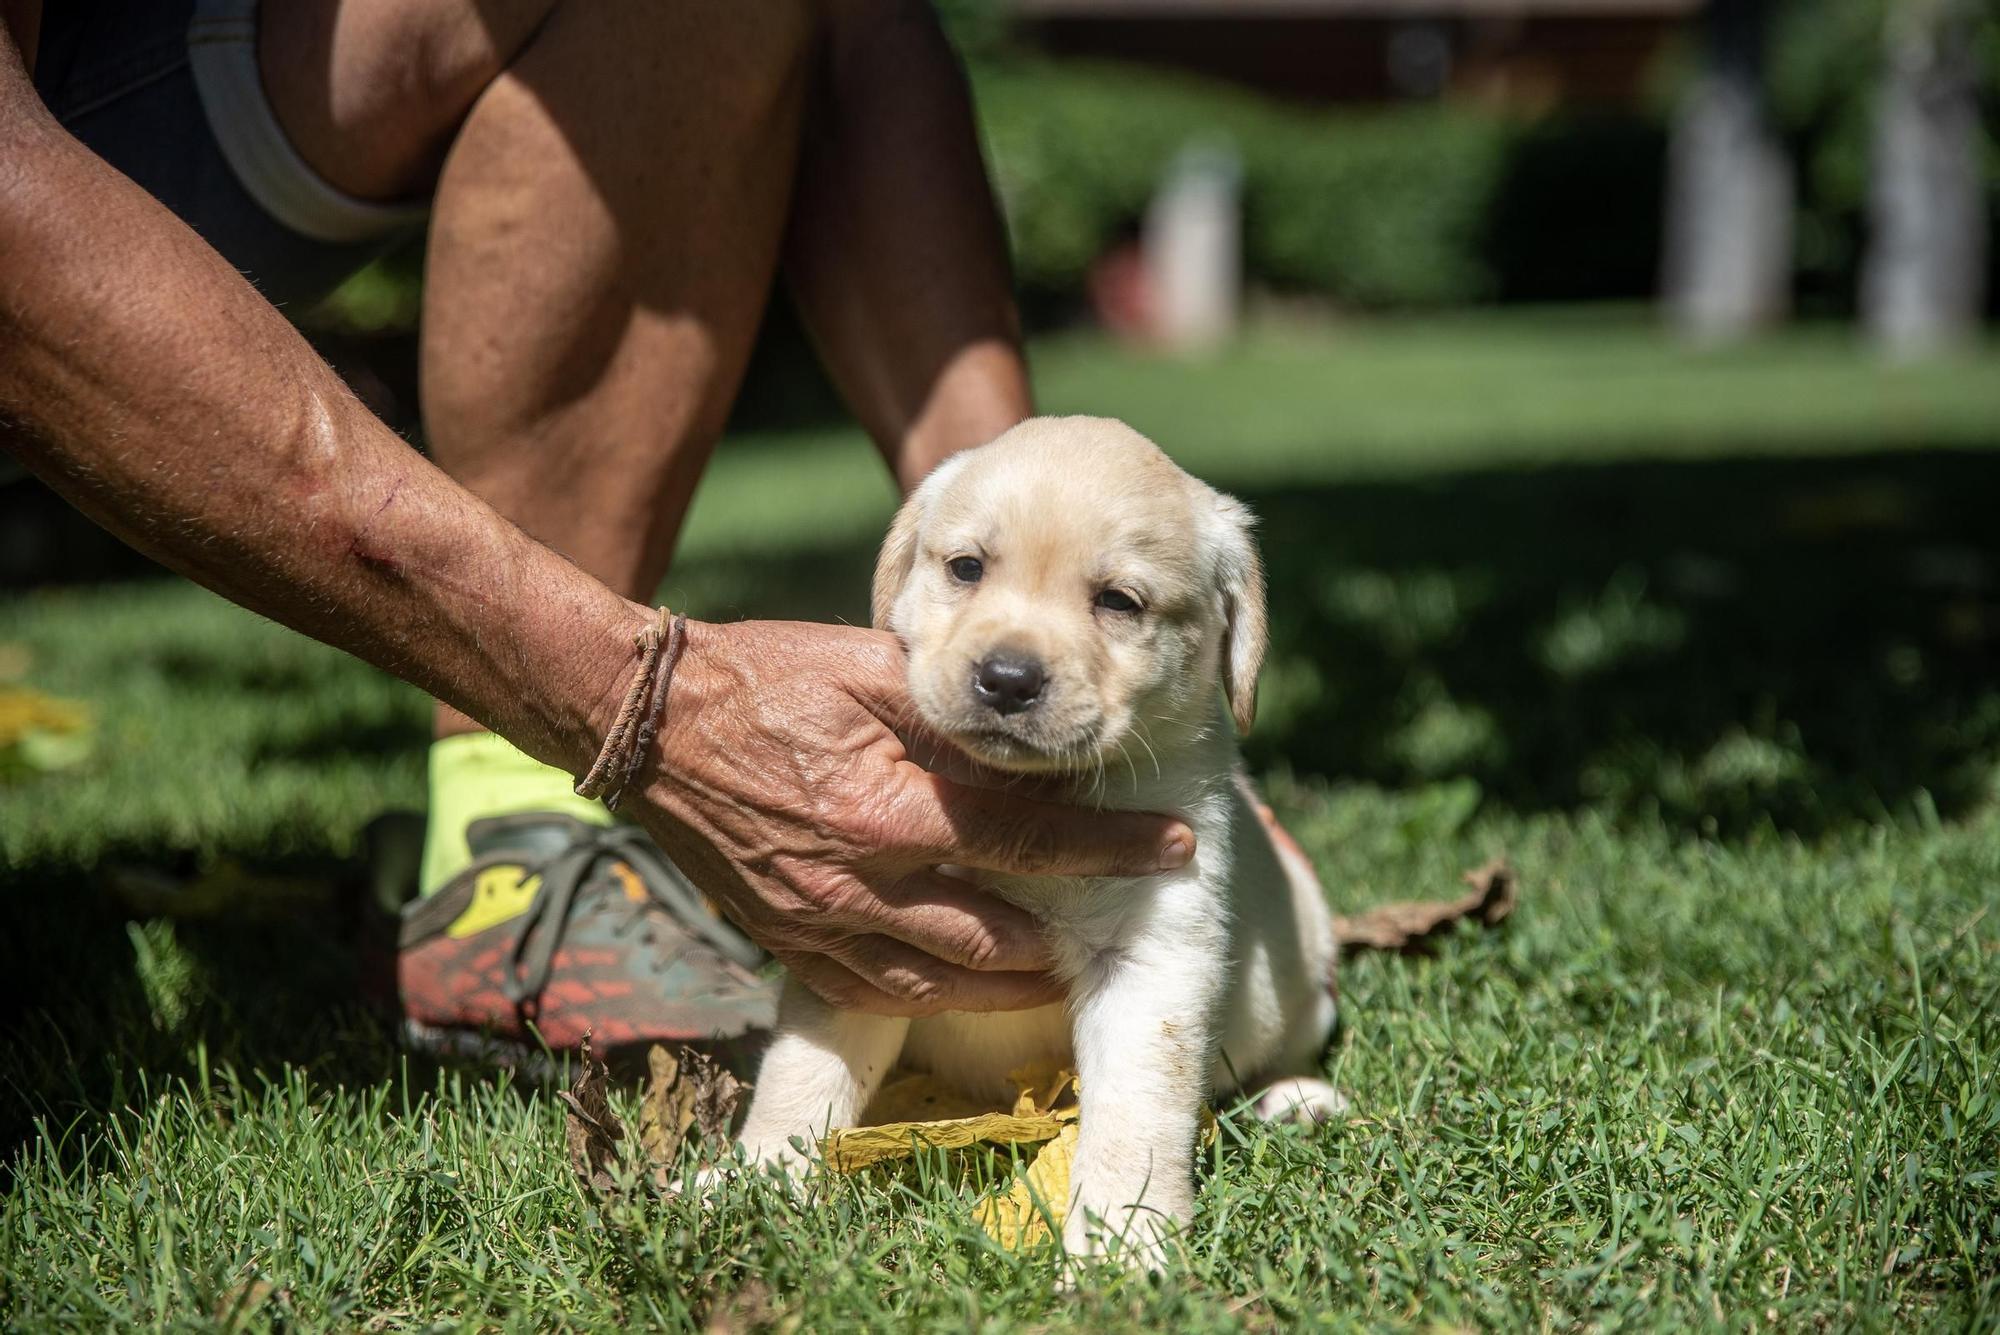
<point x="1708" y="645"/>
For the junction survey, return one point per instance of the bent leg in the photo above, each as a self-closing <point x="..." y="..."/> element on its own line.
<point x="895" y="253"/>
<point x="605" y="236"/>
<point x="819" y="1073"/>
<point x="621" y="180"/>
<point x="604" y="239"/>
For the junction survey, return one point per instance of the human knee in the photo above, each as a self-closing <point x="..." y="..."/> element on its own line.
<point x="765" y="48"/>
<point x="370" y="92"/>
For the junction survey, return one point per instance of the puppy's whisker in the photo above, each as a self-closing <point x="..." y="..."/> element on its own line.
<point x="1191" y="728"/>
<point x="1140" y="734"/>
<point x="1132" y="769"/>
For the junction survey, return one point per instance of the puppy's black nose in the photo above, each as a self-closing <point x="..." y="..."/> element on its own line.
<point x="1006" y="684"/>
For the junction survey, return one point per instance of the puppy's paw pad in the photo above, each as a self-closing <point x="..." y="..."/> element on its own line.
<point x="1300" y="1101"/>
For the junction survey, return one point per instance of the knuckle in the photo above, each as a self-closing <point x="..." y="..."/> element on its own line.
<point x="844" y="992"/>
<point x="911" y="989"/>
<point x="978" y="949"/>
<point x="818" y="940"/>
<point x="829" y="902"/>
<point x="1031" y="844"/>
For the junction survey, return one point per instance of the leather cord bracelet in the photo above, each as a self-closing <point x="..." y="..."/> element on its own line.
<point x="659" y="647"/>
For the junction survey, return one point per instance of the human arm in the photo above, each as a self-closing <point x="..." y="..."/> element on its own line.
<point x="146" y="381"/>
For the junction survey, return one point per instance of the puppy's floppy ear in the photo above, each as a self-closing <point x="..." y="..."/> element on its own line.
<point x="1239" y="574"/>
<point x="898" y="558"/>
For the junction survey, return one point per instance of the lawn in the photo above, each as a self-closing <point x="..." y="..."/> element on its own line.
<point x="1707" y="644"/>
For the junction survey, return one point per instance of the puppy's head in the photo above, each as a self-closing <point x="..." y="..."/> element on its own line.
<point x="1067" y="589"/>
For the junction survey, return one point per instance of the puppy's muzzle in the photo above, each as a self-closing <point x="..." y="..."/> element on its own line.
<point x="1008" y="683"/>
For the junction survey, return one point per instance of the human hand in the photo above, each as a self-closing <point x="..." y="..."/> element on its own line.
<point x="784" y="792"/>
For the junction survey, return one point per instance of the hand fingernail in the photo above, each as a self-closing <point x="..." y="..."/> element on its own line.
<point x="1177" y="852"/>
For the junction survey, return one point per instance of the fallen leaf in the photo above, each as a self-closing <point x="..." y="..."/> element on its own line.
<point x="1033" y="1207"/>
<point x="592" y="1129"/>
<point x="859" y="1147"/>
<point x="1042" y="1086"/>
<point x="1044" y="1103"/>
<point x="1410" y="926"/>
<point x="1027" y="1214"/>
<point x="717" y="1094"/>
<point x="39" y="732"/>
<point x="1045" y="1109"/>
<point x="244" y="1300"/>
<point x="750" y="1308"/>
<point x="665" y="1114"/>
<point x="691" y="1092"/>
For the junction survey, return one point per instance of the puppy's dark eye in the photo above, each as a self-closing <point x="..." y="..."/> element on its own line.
<point x="966" y="569"/>
<point x="1117" y="600"/>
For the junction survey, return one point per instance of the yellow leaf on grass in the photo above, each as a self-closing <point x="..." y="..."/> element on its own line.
<point x="1032" y="1209"/>
<point x="39" y="733"/>
<point x="913" y="1111"/>
<point x="1027" y="1213"/>
<point x="24" y="710"/>
<point x="859" y="1147"/>
<point x="1042" y="1086"/>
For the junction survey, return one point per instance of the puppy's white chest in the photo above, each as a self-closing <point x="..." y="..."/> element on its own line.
<point x="1084" y="919"/>
<point x="1091" y="925"/>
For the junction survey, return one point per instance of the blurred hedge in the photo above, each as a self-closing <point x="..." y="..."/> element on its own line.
<point x="1416" y="205"/>
<point x="1413" y="206"/>
<point x="1408" y="206"/>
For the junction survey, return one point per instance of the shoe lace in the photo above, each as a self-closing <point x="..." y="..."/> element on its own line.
<point x="563" y="876"/>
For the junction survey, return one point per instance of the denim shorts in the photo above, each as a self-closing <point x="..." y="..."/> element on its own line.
<point x="117" y="74"/>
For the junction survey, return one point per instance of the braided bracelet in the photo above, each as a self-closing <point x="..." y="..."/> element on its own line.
<point x="659" y="646"/>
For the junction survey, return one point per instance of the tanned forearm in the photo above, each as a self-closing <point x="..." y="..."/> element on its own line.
<point x="148" y="383"/>
<point x="151" y="386"/>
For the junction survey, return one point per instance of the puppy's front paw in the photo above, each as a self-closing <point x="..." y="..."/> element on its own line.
<point x="709" y="1182"/>
<point x="778" y="1158"/>
<point x="1146" y="1242"/>
<point x="784" y="1163"/>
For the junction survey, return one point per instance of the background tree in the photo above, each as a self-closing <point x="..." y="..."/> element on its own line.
<point x="1924" y="281"/>
<point x="1726" y="270"/>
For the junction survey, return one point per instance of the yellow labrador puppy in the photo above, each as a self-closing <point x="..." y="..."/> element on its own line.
<point x="1075" y="605"/>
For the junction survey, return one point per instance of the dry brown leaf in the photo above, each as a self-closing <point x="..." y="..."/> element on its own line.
<point x="591" y="1128"/>
<point x="717" y="1094"/>
<point x="236" y="1305"/>
<point x="1410" y="926"/>
<point x="665" y="1114"/>
<point x="689" y="1092"/>
<point x="751" y="1308"/>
